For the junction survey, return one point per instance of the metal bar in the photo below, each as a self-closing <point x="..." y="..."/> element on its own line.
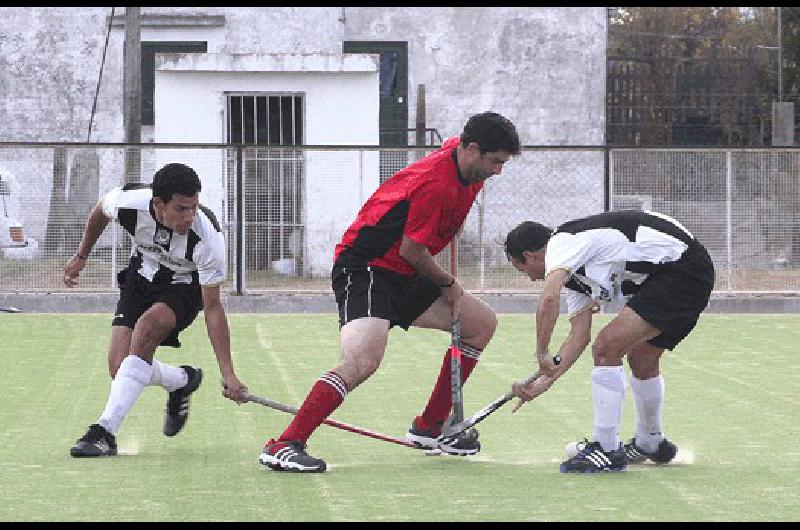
<point x="729" y="215"/>
<point x="114" y="230"/>
<point x="607" y="180"/>
<point x="481" y="229"/>
<point x="239" y="283"/>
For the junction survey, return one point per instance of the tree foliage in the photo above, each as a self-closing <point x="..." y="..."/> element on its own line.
<point x="696" y="75"/>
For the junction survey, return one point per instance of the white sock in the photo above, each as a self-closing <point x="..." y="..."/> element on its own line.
<point x="648" y="394"/>
<point x="133" y="375"/>
<point x="608" y="389"/>
<point x="168" y="377"/>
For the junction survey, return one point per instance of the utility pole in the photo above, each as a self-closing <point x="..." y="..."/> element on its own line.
<point x="420" y="125"/>
<point x="780" y="56"/>
<point x="132" y="93"/>
<point x="782" y="112"/>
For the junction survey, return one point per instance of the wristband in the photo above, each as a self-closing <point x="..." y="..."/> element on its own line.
<point x="452" y="283"/>
<point x="84" y="258"/>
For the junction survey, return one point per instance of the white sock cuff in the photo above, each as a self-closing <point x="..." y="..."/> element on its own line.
<point x="136" y="368"/>
<point x="168" y="377"/>
<point x="610" y="377"/>
<point x="647" y="386"/>
<point x="469" y="351"/>
<point x="335" y="381"/>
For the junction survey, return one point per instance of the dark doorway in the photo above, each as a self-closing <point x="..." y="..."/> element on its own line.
<point x="149" y="51"/>
<point x="393" y="113"/>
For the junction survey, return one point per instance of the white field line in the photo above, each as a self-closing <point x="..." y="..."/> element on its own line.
<point x="265" y="342"/>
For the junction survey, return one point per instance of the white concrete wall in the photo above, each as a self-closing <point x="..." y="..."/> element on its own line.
<point x="543" y="67"/>
<point x="341" y="108"/>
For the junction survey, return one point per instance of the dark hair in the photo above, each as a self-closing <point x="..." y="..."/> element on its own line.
<point x="528" y="236"/>
<point x="175" y="178"/>
<point x="492" y="132"/>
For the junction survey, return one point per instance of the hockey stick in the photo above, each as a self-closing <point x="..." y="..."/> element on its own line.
<point x="457" y="395"/>
<point x="457" y="415"/>
<point x="450" y="433"/>
<point x="10" y="309"/>
<point x="333" y="423"/>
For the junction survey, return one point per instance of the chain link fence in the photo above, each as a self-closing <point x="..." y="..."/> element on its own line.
<point x="284" y="209"/>
<point x="741" y="204"/>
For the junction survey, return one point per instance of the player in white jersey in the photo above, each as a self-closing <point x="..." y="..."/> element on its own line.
<point x="661" y="275"/>
<point x="177" y="265"/>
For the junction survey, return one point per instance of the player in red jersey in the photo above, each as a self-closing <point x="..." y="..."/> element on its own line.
<point x="384" y="275"/>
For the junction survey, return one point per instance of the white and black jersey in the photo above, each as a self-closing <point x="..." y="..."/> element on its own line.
<point x="609" y="255"/>
<point x="646" y="260"/>
<point x="161" y="255"/>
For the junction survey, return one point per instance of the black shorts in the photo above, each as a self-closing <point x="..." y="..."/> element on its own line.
<point x="381" y="293"/>
<point x="137" y="295"/>
<point x="673" y="296"/>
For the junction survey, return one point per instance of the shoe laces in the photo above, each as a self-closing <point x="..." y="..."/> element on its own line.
<point x="588" y="447"/>
<point x="95" y="432"/>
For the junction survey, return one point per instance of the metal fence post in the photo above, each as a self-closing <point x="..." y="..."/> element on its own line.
<point x="606" y="179"/>
<point x="729" y="216"/>
<point x="481" y="218"/>
<point x="114" y="232"/>
<point x="361" y="176"/>
<point x="239" y="283"/>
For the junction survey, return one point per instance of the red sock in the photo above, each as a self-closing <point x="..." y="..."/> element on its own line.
<point x="441" y="400"/>
<point x="325" y="396"/>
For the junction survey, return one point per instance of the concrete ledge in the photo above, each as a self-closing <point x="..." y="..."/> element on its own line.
<point x="267" y="62"/>
<point x="324" y="303"/>
<point x="173" y="21"/>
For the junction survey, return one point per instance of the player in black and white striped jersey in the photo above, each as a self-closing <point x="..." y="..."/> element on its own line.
<point x="663" y="276"/>
<point x="177" y="265"/>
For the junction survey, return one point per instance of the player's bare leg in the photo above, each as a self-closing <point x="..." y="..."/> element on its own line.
<point x="478" y="324"/>
<point x="119" y="348"/>
<point x="605" y="452"/>
<point x="155" y="325"/>
<point x="132" y="375"/>
<point x="478" y="320"/>
<point x="363" y="343"/>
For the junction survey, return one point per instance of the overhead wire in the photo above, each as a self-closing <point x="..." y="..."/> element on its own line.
<point x="100" y="76"/>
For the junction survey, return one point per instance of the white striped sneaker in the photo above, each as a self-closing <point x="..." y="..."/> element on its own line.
<point x="178" y="402"/>
<point x="592" y="459"/>
<point x="96" y="442"/>
<point x="290" y="456"/>
<point x="663" y="454"/>
<point x="423" y="438"/>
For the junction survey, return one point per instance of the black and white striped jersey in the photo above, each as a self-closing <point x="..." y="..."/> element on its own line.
<point x="609" y="255"/>
<point x="160" y="254"/>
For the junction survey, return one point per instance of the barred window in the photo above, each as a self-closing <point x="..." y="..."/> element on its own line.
<point x="273" y="179"/>
<point x="265" y="119"/>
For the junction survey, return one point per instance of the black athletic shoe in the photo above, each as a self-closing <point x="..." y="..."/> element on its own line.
<point x="290" y="456"/>
<point x="96" y="442"/>
<point x="464" y="444"/>
<point x="178" y="402"/>
<point x="592" y="459"/>
<point x="664" y="454"/>
<point x="423" y="437"/>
